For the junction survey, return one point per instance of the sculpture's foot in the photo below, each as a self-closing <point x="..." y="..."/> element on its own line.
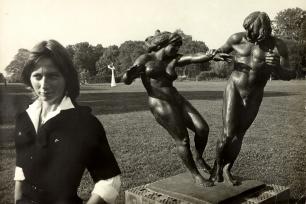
<point x="217" y="178"/>
<point x="203" y="165"/>
<point x="217" y="175"/>
<point x="228" y="177"/>
<point x="199" y="180"/>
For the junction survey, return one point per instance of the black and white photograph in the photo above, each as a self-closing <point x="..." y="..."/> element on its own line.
<point x="152" y="101"/>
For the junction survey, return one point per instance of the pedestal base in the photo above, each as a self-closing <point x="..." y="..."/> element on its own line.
<point x="181" y="189"/>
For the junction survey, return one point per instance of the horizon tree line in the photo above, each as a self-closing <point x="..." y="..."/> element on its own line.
<point x="91" y="61"/>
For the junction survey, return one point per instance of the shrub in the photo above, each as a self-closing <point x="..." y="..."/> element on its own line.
<point x="102" y="79"/>
<point x="206" y="75"/>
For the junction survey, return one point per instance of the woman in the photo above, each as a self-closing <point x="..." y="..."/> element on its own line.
<point x="171" y="110"/>
<point x="56" y="139"/>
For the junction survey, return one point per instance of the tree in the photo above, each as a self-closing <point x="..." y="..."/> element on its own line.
<point x="85" y="56"/>
<point x="290" y="24"/>
<point x="190" y="47"/>
<point x="129" y="51"/>
<point x="222" y="69"/>
<point x="98" y="51"/>
<point x="84" y="76"/>
<point x="110" y="55"/>
<point x="15" y="67"/>
<point x="297" y="56"/>
<point x="70" y="50"/>
<point x="2" y="78"/>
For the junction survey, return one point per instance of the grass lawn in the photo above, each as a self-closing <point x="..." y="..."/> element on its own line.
<point x="274" y="148"/>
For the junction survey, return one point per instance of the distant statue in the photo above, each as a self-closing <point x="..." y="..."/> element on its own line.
<point x="170" y="109"/>
<point x="111" y="67"/>
<point x="258" y="55"/>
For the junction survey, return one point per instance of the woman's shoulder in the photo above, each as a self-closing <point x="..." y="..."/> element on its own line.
<point x="83" y="109"/>
<point x="21" y="116"/>
<point x="87" y="117"/>
<point x="84" y="112"/>
<point x="89" y="124"/>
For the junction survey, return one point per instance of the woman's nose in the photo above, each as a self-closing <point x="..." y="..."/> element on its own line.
<point x="44" y="82"/>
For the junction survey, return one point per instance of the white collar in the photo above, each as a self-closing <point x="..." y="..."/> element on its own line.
<point x="34" y="111"/>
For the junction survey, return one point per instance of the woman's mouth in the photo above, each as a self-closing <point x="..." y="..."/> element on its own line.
<point x="45" y="93"/>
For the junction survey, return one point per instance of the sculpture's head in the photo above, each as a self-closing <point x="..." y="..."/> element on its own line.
<point x="258" y="26"/>
<point x="162" y="40"/>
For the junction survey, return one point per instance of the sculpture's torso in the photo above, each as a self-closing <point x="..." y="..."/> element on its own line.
<point x="251" y="72"/>
<point x="158" y="78"/>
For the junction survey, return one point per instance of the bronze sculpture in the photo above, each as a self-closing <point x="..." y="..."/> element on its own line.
<point x="171" y="110"/>
<point x="258" y="55"/>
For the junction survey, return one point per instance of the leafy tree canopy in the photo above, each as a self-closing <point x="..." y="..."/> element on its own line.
<point x="15" y="67"/>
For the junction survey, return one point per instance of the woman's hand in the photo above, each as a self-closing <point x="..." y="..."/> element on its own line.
<point x="18" y="191"/>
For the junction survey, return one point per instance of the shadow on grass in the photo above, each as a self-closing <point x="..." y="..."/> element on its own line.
<point x="124" y="102"/>
<point x="6" y="136"/>
<point x="7" y="145"/>
<point x="16" y="98"/>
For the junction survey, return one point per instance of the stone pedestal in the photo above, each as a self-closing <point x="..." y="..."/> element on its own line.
<point x="181" y="189"/>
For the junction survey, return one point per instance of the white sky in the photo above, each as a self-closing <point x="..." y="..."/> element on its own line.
<point x="23" y="23"/>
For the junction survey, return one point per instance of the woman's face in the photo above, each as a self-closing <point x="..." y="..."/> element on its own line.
<point x="48" y="83"/>
<point x="172" y="49"/>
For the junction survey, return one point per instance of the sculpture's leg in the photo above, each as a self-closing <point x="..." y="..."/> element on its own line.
<point x="199" y="126"/>
<point x="218" y="166"/>
<point x="247" y="115"/>
<point x="171" y="118"/>
<point x="232" y="108"/>
<point x="231" y="155"/>
<point x="228" y="177"/>
<point x="183" y="148"/>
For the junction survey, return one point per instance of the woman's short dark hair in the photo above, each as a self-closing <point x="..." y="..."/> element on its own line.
<point x="58" y="54"/>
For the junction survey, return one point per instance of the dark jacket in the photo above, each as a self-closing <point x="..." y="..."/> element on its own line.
<point x="54" y="159"/>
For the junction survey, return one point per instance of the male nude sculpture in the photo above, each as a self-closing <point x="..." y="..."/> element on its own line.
<point x="258" y="55"/>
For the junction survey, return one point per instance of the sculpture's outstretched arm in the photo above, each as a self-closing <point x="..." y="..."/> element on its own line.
<point x="132" y="73"/>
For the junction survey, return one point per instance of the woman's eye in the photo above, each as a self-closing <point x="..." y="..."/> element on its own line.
<point x="53" y="76"/>
<point x="37" y="76"/>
